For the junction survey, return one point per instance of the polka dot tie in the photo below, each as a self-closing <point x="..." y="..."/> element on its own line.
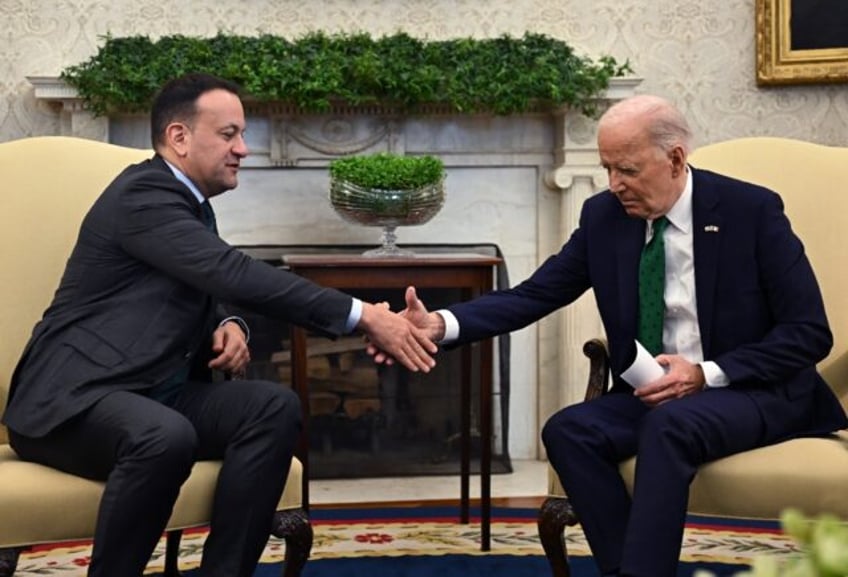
<point x="651" y="286"/>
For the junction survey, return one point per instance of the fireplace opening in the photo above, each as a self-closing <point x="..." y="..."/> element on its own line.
<point x="367" y="420"/>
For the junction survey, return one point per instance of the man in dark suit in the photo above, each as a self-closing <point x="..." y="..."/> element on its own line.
<point x="741" y="328"/>
<point x="115" y="382"/>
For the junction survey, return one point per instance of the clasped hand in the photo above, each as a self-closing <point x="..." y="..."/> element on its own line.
<point x="229" y="345"/>
<point x="681" y="378"/>
<point x="397" y="337"/>
<point x="428" y="328"/>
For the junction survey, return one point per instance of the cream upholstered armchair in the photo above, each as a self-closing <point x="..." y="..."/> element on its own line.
<point x="49" y="183"/>
<point x="810" y="473"/>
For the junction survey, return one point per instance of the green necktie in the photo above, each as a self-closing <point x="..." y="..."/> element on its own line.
<point x="651" y="286"/>
<point x="209" y="216"/>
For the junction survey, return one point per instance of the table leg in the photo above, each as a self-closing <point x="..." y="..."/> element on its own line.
<point x="465" y="436"/>
<point x="300" y="384"/>
<point x="485" y="444"/>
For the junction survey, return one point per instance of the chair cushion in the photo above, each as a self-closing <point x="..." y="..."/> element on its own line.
<point x="808" y="473"/>
<point x="43" y="505"/>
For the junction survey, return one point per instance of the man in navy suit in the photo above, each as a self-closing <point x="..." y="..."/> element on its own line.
<point x="115" y="382"/>
<point x="742" y="330"/>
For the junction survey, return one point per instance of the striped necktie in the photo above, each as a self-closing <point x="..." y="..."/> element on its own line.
<point x="651" y="288"/>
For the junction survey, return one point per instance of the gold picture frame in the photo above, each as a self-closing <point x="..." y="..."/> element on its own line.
<point x="782" y="60"/>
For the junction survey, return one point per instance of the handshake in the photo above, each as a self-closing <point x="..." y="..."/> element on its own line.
<point x="408" y="337"/>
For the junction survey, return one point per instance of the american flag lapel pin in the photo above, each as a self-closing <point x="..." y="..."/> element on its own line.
<point x="711" y="228"/>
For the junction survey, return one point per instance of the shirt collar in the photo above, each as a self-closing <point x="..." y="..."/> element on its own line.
<point x="186" y="181"/>
<point x="680" y="214"/>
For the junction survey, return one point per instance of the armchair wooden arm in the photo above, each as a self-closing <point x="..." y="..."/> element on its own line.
<point x="599" y="368"/>
<point x="556" y="513"/>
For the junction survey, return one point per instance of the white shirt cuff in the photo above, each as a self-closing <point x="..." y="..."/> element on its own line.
<point x="713" y="375"/>
<point x="353" y="316"/>
<point x="451" y="326"/>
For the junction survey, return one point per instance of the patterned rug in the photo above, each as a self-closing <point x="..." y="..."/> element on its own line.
<point x="421" y="541"/>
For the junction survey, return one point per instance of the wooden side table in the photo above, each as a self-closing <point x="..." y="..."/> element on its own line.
<point x="472" y="274"/>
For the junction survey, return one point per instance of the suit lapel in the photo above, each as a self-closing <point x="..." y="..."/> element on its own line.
<point x="706" y="237"/>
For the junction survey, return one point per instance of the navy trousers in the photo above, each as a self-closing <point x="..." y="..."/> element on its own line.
<point x="642" y="536"/>
<point x="145" y="450"/>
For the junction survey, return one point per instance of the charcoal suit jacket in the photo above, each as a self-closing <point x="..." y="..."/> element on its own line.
<point x="137" y="301"/>
<point x="760" y="311"/>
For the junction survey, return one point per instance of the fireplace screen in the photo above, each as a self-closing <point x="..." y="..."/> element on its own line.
<point x="372" y="421"/>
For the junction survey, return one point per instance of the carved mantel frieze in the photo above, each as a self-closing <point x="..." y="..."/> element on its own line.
<point x="298" y="140"/>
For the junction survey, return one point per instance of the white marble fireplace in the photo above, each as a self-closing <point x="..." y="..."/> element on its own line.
<point x="516" y="181"/>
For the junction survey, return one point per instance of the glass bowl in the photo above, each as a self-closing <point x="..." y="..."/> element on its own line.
<point x="387" y="209"/>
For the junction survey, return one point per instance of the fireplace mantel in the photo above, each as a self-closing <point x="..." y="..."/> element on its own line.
<point x="517" y="181"/>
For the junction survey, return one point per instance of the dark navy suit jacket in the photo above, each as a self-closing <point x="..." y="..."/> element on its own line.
<point x="760" y="311"/>
<point x="137" y="300"/>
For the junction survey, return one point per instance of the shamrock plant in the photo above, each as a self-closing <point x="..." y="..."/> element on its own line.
<point x="386" y="171"/>
<point x="824" y="549"/>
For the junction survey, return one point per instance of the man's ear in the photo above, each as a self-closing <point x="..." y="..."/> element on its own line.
<point x="177" y="136"/>
<point x="677" y="156"/>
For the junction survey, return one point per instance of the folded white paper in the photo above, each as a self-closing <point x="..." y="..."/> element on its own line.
<point x="645" y="368"/>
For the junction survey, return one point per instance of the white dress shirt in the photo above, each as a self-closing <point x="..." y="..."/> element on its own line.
<point x="681" y="333"/>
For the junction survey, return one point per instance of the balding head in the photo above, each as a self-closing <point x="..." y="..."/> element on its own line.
<point x="661" y="121"/>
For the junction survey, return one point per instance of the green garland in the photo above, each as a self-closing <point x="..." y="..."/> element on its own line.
<point x="501" y="75"/>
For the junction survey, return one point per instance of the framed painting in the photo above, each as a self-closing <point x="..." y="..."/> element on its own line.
<point x="802" y="41"/>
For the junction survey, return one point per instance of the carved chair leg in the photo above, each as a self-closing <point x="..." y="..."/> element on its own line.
<point x="9" y="560"/>
<point x="172" y="553"/>
<point x="293" y="526"/>
<point x="554" y="515"/>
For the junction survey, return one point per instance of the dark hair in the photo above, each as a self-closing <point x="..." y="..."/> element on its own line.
<point x="177" y="99"/>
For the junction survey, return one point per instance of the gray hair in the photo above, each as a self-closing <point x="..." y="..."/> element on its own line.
<point x="665" y="124"/>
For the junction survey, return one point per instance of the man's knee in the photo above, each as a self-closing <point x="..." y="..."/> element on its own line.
<point x="277" y="404"/>
<point x="172" y="442"/>
<point x="661" y="419"/>
<point x="665" y="431"/>
<point x="558" y="427"/>
<point x="288" y="401"/>
<point x="549" y="432"/>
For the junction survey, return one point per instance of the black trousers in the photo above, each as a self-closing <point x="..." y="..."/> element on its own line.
<point x="145" y="450"/>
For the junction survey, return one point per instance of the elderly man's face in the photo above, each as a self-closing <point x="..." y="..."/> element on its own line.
<point x="646" y="179"/>
<point x="215" y="143"/>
